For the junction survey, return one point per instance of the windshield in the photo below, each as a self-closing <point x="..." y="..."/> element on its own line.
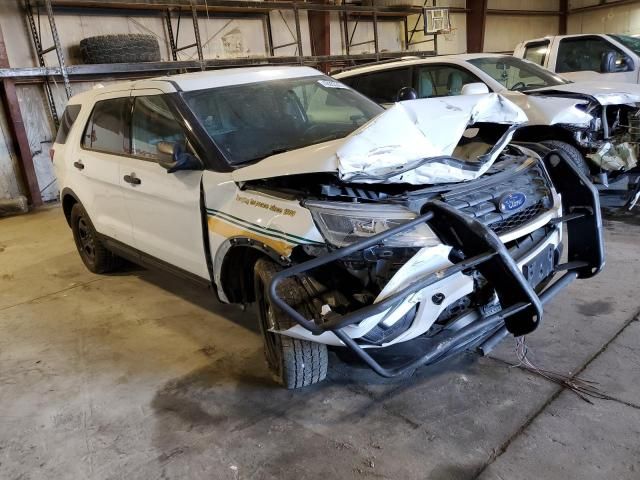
<point x="516" y="74"/>
<point x="632" y="43"/>
<point x="250" y="122"/>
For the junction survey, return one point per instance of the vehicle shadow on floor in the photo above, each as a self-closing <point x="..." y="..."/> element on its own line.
<point x="251" y="373"/>
<point x="197" y="295"/>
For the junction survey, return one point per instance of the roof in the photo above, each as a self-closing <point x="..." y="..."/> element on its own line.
<point x="414" y="61"/>
<point x="207" y="79"/>
<point x="237" y="76"/>
<point x="569" y="35"/>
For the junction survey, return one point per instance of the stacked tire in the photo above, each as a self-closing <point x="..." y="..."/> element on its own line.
<point x="129" y="48"/>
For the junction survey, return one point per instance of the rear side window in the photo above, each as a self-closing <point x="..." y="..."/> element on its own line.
<point x="383" y="87"/>
<point x="108" y="128"/>
<point x="68" y="117"/>
<point x="536" y="52"/>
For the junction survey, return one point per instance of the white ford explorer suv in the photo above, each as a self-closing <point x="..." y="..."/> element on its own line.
<point x="596" y="125"/>
<point x="350" y="226"/>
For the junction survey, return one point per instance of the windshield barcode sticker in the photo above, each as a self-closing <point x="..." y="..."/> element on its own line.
<point x="331" y="84"/>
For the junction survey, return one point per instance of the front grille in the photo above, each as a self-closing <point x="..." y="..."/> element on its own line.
<point x="520" y="218"/>
<point x="482" y="200"/>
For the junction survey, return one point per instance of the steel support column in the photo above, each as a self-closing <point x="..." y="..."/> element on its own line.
<point x="18" y="132"/>
<point x="564" y="15"/>
<point x="320" y="35"/>
<point x="476" y="23"/>
<point x="196" y="33"/>
<point x="58" y="49"/>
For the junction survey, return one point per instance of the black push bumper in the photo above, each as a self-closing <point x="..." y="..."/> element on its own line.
<point x="522" y="307"/>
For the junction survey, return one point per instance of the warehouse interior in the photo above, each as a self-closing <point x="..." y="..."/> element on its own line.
<point x="138" y="372"/>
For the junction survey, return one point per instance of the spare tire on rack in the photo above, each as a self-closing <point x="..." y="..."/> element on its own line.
<point x="122" y="48"/>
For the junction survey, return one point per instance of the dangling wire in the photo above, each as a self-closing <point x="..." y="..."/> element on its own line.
<point x="585" y="389"/>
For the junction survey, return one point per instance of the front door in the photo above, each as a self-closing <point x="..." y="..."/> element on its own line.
<point x="164" y="207"/>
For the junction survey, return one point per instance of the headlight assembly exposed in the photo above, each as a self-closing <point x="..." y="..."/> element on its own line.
<point x="343" y="223"/>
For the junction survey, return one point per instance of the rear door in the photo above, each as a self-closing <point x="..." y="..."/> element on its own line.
<point x="164" y="207"/>
<point x="94" y="166"/>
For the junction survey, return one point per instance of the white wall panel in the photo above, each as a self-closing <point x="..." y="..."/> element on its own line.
<point x="503" y="33"/>
<point x="547" y="5"/>
<point x="621" y="19"/>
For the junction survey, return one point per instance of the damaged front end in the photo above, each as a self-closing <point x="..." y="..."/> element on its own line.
<point x="441" y="252"/>
<point x="607" y="130"/>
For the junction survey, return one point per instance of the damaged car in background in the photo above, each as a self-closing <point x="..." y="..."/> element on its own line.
<point x="403" y="235"/>
<point x="597" y="125"/>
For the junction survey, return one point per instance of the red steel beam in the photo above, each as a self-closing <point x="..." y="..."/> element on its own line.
<point x="476" y="23"/>
<point x="18" y="132"/>
<point x="320" y="35"/>
<point x="564" y="16"/>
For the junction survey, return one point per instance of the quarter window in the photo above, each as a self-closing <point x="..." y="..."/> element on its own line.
<point x="585" y="54"/>
<point x="383" y="87"/>
<point x="108" y="128"/>
<point x="153" y="124"/>
<point x="537" y="52"/>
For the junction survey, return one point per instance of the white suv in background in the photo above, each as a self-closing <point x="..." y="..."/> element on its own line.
<point x="349" y="226"/>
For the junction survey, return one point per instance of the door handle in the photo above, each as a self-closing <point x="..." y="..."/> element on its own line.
<point x="132" y="179"/>
<point x="79" y="165"/>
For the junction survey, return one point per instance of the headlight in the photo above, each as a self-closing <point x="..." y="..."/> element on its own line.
<point x="344" y="223"/>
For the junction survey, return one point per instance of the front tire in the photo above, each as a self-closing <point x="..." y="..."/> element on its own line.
<point x="294" y="363"/>
<point x="572" y="153"/>
<point x="93" y="253"/>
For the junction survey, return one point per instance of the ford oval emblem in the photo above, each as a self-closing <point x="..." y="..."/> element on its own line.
<point x="510" y="202"/>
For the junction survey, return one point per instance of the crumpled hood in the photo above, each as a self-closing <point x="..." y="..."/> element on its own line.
<point x="411" y="142"/>
<point x="608" y="93"/>
<point x="552" y="110"/>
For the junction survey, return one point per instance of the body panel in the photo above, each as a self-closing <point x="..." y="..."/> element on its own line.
<point x="165" y="210"/>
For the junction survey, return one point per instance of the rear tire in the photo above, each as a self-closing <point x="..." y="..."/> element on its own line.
<point x="92" y="252"/>
<point x="294" y="363"/>
<point x="572" y="153"/>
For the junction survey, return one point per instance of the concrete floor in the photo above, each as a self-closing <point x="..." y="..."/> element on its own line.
<point x="138" y="376"/>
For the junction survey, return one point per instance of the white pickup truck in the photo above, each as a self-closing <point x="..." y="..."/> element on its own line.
<point x="586" y="57"/>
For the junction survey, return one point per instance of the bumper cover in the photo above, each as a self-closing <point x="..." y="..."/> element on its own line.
<point x="522" y="307"/>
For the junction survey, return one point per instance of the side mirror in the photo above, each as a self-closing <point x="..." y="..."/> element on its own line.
<point x="477" y="88"/>
<point x="180" y="159"/>
<point x="407" y="93"/>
